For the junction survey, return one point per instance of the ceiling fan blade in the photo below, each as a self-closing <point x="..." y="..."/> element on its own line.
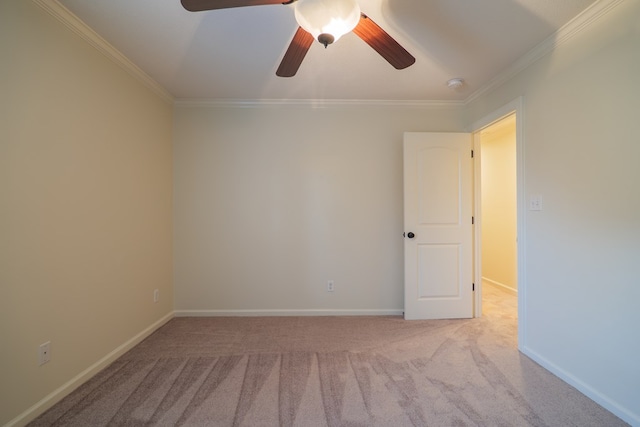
<point x="294" y="55"/>
<point x="200" y="5"/>
<point x="383" y="43"/>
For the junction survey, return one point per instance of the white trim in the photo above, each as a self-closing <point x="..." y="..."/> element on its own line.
<point x="72" y="22"/>
<point x="58" y="394"/>
<point x="572" y="28"/>
<point x="315" y="103"/>
<point x="502" y="112"/>
<point x="286" y="313"/>
<point x="626" y="414"/>
<point x="477" y="224"/>
<point x="500" y="285"/>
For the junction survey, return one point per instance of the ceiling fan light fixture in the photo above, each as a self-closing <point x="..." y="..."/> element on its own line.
<point x="327" y="20"/>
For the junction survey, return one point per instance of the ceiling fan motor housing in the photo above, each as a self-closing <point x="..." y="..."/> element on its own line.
<point x="326" y="39"/>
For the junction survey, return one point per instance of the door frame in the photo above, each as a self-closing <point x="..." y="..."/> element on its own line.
<point x="514" y="107"/>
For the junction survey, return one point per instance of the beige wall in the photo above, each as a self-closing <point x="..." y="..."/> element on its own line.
<point x="85" y="206"/>
<point x="498" y="204"/>
<point x="272" y="202"/>
<point x="579" y="279"/>
<point x="85" y="190"/>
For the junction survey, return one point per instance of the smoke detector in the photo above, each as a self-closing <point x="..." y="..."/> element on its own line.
<point x="455" y="84"/>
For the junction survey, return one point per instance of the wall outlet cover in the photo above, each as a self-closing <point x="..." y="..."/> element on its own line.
<point x="44" y="353"/>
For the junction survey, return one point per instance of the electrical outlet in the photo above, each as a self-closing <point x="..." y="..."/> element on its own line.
<point x="330" y="286"/>
<point x="156" y="295"/>
<point x="44" y="353"/>
<point x="535" y="203"/>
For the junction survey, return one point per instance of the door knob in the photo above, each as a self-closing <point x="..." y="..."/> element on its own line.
<point x="411" y="235"/>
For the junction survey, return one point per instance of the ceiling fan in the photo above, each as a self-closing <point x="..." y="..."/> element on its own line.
<point x="324" y="20"/>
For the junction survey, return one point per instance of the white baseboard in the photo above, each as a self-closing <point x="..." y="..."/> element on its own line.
<point x="285" y="313"/>
<point x="625" y="414"/>
<point x="62" y="391"/>
<point x="500" y="285"/>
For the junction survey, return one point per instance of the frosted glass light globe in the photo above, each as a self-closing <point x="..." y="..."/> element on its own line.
<point x="327" y="20"/>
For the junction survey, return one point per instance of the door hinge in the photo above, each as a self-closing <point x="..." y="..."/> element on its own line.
<point x="473" y="220"/>
<point x="473" y="287"/>
<point x="472" y="154"/>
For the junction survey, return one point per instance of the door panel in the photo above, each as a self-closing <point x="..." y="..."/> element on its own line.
<point x="438" y="211"/>
<point x="438" y="164"/>
<point x="438" y="271"/>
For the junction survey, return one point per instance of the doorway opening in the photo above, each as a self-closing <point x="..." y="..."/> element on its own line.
<point x="499" y="238"/>
<point x="498" y="212"/>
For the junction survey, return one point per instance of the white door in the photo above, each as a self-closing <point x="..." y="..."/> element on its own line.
<point x="438" y="225"/>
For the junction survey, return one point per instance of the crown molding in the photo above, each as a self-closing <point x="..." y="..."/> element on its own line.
<point x="581" y="22"/>
<point x="64" y="15"/>
<point x="574" y="27"/>
<point x="315" y="103"/>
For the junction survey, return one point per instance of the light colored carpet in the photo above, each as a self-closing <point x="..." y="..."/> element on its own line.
<point x="330" y="371"/>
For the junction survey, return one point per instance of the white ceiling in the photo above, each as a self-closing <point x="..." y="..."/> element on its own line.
<point x="232" y="54"/>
